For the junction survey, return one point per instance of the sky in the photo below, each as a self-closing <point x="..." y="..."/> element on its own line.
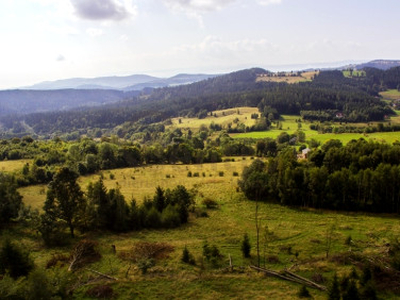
<point x="45" y="40"/>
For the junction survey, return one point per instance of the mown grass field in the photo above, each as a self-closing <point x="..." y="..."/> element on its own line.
<point x="306" y="76"/>
<point x="221" y="117"/>
<point x="390" y="94"/>
<point x="290" y="126"/>
<point x="13" y="165"/>
<point x="299" y="239"/>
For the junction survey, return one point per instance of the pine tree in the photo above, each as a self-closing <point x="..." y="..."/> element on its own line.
<point x="246" y="247"/>
<point x="334" y="290"/>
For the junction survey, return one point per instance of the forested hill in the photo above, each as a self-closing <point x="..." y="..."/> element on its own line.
<point x="327" y="95"/>
<point x="31" y="101"/>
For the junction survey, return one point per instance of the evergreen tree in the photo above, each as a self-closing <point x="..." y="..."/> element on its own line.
<point x="334" y="289"/>
<point x="245" y="246"/>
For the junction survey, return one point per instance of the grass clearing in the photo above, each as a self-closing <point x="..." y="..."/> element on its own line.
<point x="13" y="165"/>
<point x="290" y="126"/>
<point x="288" y="77"/>
<point x="390" y="94"/>
<point x="221" y="117"/>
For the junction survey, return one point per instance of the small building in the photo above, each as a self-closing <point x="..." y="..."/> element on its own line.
<point x="304" y="153"/>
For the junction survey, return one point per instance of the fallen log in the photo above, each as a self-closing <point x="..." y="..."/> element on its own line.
<point x="102" y="274"/>
<point x="289" y="276"/>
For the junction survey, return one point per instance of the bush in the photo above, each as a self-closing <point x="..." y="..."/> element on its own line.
<point x="38" y="285"/>
<point x="235" y="174"/>
<point x="221" y="174"/>
<point x="187" y="257"/>
<point x="209" y="203"/>
<point x="246" y="247"/>
<point x="170" y="217"/>
<point x="100" y="292"/>
<point x="14" y="261"/>
<point x="189" y="174"/>
<point x="303" y="292"/>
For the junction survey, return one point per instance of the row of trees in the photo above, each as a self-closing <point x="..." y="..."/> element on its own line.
<point x="361" y="176"/>
<point x="66" y="206"/>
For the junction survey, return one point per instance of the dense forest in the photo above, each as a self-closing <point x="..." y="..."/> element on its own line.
<point x="361" y="176"/>
<point x="330" y="96"/>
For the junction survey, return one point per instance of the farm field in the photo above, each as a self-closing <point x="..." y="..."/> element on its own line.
<point x="141" y="182"/>
<point x="13" y="165"/>
<point x="290" y="126"/>
<point x="297" y="239"/>
<point x="221" y="117"/>
<point x="288" y="78"/>
<point x="390" y="94"/>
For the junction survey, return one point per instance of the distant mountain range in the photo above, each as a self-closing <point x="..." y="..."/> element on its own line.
<point x="87" y="92"/>
<point x="123" y="83"/>
<point x="381" y="64"/>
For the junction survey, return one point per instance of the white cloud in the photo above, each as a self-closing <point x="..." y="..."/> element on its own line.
<point x="94" y="32"/>
<point x="269" y="2"/>
<point x="197" y="5"/>
<point x="114" y="10"/>
<point x="60" y="58"/>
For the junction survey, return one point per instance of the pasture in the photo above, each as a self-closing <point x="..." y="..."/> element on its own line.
<point x="390" y="94"/>
<point x="288" y="77"/>
<point x="221" y="117"/>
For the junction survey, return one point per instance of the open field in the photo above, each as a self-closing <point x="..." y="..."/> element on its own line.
<point x="221" y="117"/>
<point x="354" y="73"/>
<point x="141" y="182"/>
<point x="13" y="165"/>
<point x="289" y="78"/>
<point x="298" y="241"/>
<point x="390" y="94"/>
<point x="290" y="126"/>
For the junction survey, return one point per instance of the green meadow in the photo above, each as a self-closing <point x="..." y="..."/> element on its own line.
<point x="290" y="126"/>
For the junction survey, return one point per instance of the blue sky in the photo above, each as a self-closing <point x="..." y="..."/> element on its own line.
<point x="55" y="39"/>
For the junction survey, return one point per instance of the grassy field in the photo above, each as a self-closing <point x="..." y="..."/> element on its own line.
<point x="390" y="94"/>
<point x="13" y="165"/>
<point x="288" y="78"/>
<point x="298" y="241"/>
<point x="355" y="73"/>
<point x="221" y="117"/>
<point x="290" y="126"/>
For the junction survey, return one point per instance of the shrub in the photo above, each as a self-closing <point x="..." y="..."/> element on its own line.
<point x="245" y="246"/>
<point x="201" y="213"/>
<point x="100" y="292"/>
<point x="235" y="174"/>
<point x="196" y="174"/>
<point x="14" y="260"/>
<point x="221" y="174"/>
<point x="187" y="257"/>
<point x="303" y="292"/>
<point x="189" y="174"/>
<point x="39" y="285"/>
<point x="170" y="217"/>
<point x="209" y="203"/>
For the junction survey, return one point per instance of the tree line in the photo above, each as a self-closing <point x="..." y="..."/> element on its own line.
<point x="361" y="176"/>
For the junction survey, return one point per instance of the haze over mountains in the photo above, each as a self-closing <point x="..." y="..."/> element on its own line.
<point x="89" y="92"/>
<point x="125" y="83"/>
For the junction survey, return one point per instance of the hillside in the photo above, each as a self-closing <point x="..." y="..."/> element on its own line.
<point x="379" y="64"/>
<point x="328" y="95"/>
<point x="32" y="101"/>
<point x="126" y="83"/>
